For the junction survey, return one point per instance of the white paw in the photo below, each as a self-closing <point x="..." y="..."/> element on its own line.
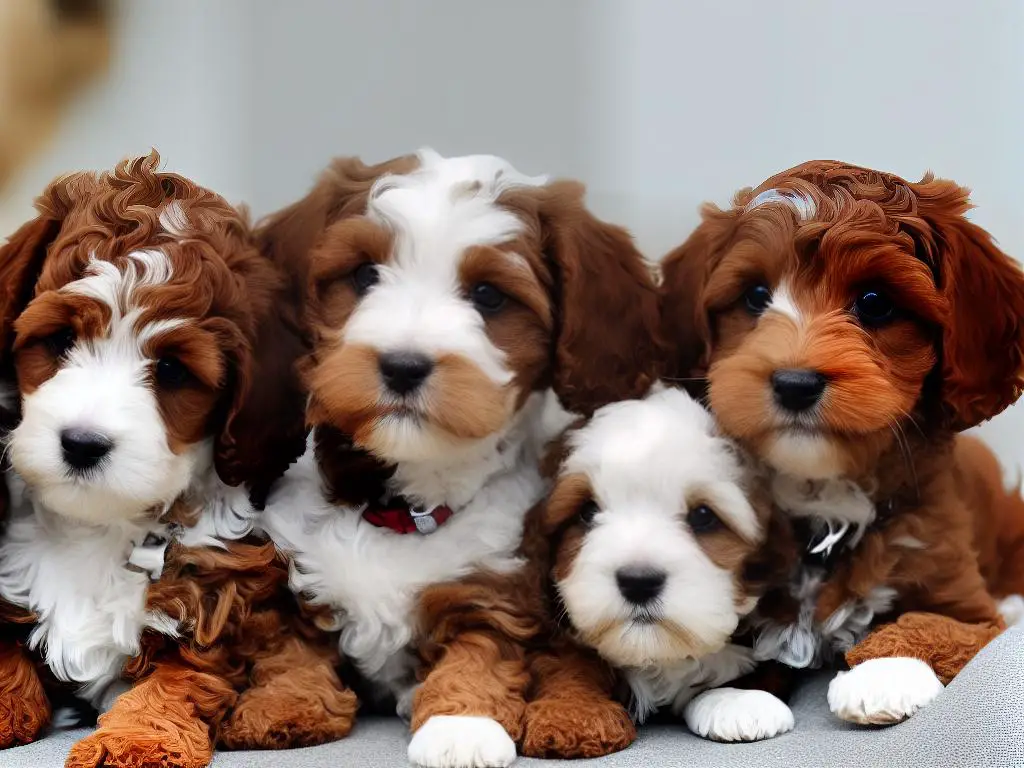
<point x="883" y="691"/>
<point x="1012" y="609"/>
<point x="732" y="714"/>
<point x="451" y="741"/>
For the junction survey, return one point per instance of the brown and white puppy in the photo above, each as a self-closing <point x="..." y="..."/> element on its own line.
<point x="451" y="299"/>
<point x="849" y="324"/>
<point x="656" y="528"/>
<point x="145" y="334"/>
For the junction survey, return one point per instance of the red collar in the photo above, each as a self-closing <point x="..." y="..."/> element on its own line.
<point x="400" y="517"/>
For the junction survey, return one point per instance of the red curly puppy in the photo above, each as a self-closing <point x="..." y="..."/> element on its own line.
<point x="849" y="324"/>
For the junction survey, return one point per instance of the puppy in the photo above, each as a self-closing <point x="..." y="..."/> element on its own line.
<point x="451" y="299"/>
<point x="849" y="324"/>
<point x="656" y="529"/>
<point x="146" y="336"/>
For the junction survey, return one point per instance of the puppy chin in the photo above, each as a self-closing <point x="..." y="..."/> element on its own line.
<point x="634" y="644"/>
<point x="805" y="455"/>
<point x="95" y="506"/>
<point x="408" y="438"/>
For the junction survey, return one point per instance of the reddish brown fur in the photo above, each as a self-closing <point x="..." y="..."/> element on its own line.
<point x="953" y="357"/>
<point x="242" y="628"/>
<point x="583" y="320"/>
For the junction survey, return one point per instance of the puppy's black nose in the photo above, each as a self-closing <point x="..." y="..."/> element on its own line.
<point x="797" y="389"/>
<point x="404" y="372"/>
<point x="83" y="449"/>
<point x="639" y="584"/>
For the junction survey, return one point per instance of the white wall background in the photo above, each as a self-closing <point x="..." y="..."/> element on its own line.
<point x="656" y="104"/>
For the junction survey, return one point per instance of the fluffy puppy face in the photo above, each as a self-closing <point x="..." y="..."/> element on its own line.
<point x="131" y="340"/>
<point x="834" y="307"/>
<point x="653" y="529"/>
<point x="444" y="291"/>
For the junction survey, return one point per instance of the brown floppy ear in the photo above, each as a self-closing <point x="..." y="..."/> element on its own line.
<point x="265" y="425"/>
<point x="21" y="261"/>
<point x="982" y="356"/>
<point x="685" y="325"/>
<point x="607" y="345"/>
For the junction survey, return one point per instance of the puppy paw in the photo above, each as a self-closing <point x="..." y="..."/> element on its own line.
<point x="458" y="741"/>
<point x="883" y="691"/>
<point x="574" y="729"/>
<point x="107" y="748"/>
<point x="280" y="715"/>
<point x="732" y="714"/>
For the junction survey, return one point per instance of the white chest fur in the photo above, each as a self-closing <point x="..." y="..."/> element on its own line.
<point x="674" y="685"/>
<point x="371" y="576"/>
<point x="91" y="608"/>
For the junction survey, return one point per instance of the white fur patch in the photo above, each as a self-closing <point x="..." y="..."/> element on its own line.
<point x="731" y="714"/>
<point x="1012" y="609"/>
<point x="782" y="302"/>
<point x="173" y="219"/>
<point x="804" y="208"/>
<point x="450" y="741"/>
<point x="883" y="691"/>
<point x="648" y="462"/>
<point x="92" y="610"/>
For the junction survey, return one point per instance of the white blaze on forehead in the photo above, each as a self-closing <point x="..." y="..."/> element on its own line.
<point x="662" y="453"/>
<point x="802" y="206"/>
<point x="116" y="288"/>
<point x="447" y="205"/>
<point x="434" y="214"/>
<point x="782" y="302"/>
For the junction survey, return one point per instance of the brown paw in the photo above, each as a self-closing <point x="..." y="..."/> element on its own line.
<point x="123" y="748"/>
<point x="286" y="713"/>
<point x="23" y="715"/>
<point x="573" y="729"/>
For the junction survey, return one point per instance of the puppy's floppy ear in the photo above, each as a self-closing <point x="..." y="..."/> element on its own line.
<point x="264" y="428"/>
<point x="685" y="325"/>
<point x="21" y="261"/>
<point x="982" y="356"/>
<point x="607" y="345"/>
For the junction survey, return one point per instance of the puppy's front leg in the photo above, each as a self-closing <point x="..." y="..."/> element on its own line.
<point x="170" y="718"/>
<point x="468" y="712"/>
<point x="295" y="700"/>
<point x="572" y="711"/>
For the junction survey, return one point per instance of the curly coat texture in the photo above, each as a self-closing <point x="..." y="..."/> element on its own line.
<point x="947" y="537"/>
<point x="248" y="669"/>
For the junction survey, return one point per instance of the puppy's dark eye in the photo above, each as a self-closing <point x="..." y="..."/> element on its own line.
<point x="486" y="298"/>
<point x="171" y="373"/>
<point x="874" y="309"/>
<point x="365" y="277"/>
<point x="588" y="510"/>
<point x="702" y="519"/>
<point x="757" y="298"/>
<point x="60" y="343"/>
